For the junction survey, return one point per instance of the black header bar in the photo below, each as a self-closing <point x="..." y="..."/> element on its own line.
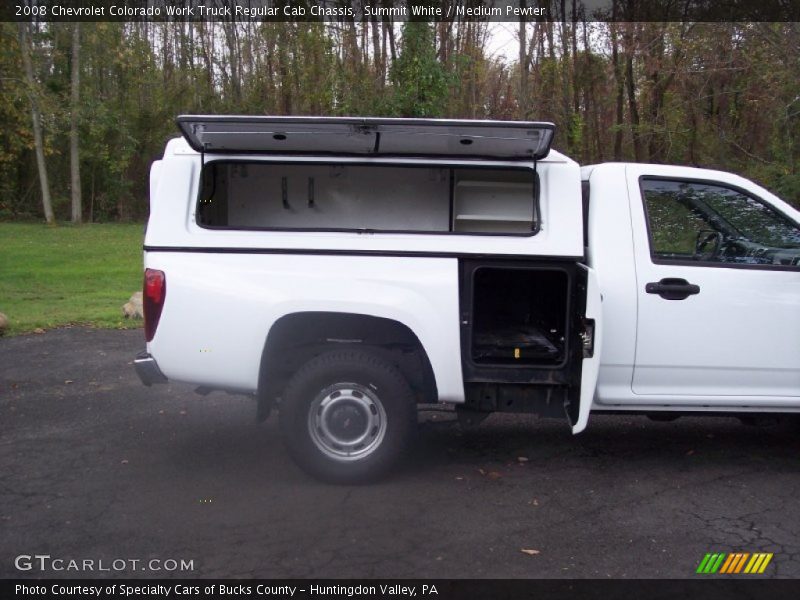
<point x="708" y="588"/>
<point x="399" y="10"/>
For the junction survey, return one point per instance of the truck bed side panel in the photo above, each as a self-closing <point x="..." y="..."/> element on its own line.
<point x="220" y="307"/>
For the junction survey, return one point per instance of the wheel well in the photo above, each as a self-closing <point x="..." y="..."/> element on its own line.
<point x="296" y="338"/>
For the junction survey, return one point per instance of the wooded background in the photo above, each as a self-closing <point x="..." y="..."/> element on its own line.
<point x="101" y="97"/>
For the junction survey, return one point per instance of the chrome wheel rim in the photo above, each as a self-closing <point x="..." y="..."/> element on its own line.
<point x="347" y="421"/>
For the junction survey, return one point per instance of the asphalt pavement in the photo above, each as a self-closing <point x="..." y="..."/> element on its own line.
<point x="94" y="466"/>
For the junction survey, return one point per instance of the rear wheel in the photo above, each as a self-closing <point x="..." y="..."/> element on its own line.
<point x="347" y="416"/>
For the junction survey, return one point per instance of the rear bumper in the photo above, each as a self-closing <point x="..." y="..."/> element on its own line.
<point x="147" y="369"/>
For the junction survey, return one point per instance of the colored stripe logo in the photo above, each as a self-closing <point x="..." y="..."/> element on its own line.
<point x="734" y="563"/>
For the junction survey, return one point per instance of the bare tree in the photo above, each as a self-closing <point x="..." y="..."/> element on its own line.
<point x="74" y="156"/>
<point x="27" y="63"/>
<point x="524" y="65"/>
<point x="629" y="37"/>
<point x="619" y="84"/>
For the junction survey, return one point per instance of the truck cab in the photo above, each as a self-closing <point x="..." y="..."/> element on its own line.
<point x="701" y="289"/>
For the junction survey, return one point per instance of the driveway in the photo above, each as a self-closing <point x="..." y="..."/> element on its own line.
<point x="95" y="466"/>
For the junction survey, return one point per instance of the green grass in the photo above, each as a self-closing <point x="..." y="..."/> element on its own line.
<point x="53" y="276"/>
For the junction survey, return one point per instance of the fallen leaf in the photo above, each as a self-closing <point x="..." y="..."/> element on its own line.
<point x="481" y="471"/>
<point x="38" y="330"/>
<point x="494" y="475"/>
<point x="529" y="551"/>
<point x="690" y="452"/>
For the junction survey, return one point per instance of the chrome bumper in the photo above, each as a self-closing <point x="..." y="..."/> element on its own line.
<point x="147" y="369"/>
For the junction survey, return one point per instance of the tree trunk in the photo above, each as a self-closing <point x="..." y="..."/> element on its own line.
<point x="384" y="52"/>
<point x="523" y="65"/>
<point x="634" y="108"/>
<point x="392" y="41"/>
<point x="25" y="51"/>
<point x="207" y="42"/>
<point x="593" y="112"/>
<point x="377" y="56"/>
<point x="74" y="156"/>
<point x="630" y="83"/>
<point x="234" y="60"/>
<point x="619" y="83"/>
<point x="566" y="79"/>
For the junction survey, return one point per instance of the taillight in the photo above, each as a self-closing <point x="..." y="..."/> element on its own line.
<point x="155" y="292"/>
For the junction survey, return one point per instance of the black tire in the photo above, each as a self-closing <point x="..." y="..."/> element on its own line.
<point x="372" y="393"/>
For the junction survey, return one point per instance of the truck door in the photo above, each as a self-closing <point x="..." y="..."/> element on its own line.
<point x="718" y="290"/>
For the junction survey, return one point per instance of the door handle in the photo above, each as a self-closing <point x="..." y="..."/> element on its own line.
<point x="671" y="288"/>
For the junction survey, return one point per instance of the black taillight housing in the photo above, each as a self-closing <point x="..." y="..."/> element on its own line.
<point x="154" y="294"/>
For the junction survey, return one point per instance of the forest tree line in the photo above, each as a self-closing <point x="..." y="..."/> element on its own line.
<point x="85" y="108"/>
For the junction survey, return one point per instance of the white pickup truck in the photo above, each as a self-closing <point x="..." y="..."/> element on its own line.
<point x="347" y="270"/>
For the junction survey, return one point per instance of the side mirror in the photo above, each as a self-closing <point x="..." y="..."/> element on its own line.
<point x="707" y="245"/>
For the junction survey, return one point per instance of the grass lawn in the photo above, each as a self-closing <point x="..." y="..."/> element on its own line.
<point x="68" y="274"/>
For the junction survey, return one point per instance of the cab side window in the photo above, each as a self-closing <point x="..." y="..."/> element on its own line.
<point x="708" y="223"/>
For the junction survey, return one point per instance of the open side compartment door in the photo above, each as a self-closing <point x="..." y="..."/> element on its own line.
<point x="351" y="136"/>
<point x="530" y="338"/>
<point x="592" y="338"/>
